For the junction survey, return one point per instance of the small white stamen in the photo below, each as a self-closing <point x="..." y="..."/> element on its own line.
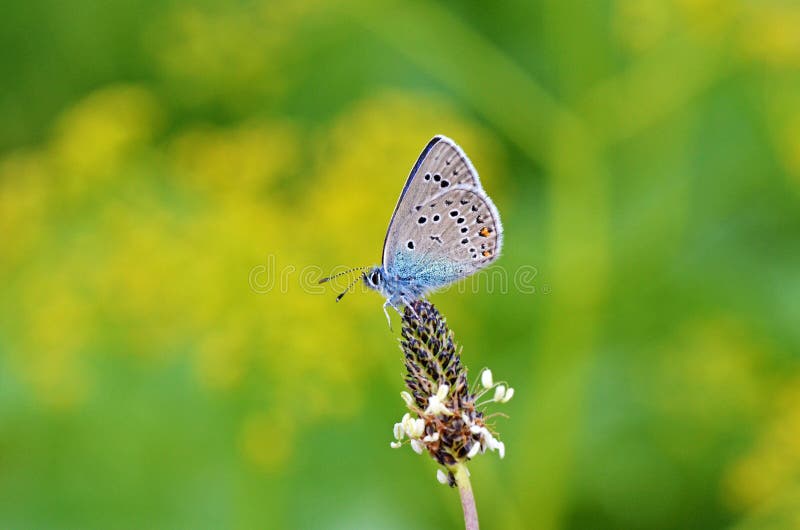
<point x="475" y="429"/>
<point x="413" y="427"/>
<point x="442" y="477"/>
<point x="407" y="398"/>
<point x="435" y="405"/>
<point x="431" y="438"/>
<point x="474" y="450"/>
<point x="501" y="448"/>
<point x="417" y="446"/>
<point x="508" y="396"/>
<point x="486" y="379"/>
<point x="419" y="427"/>
<point x="398" y="431"/>
<point x="499" y="392"/>
<point x="395" y="445"/>
<point x="487" y="439"/>
<point x="442" y="392"/>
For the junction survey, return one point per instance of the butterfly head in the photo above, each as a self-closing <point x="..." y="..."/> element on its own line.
<point x="374" y="279"/>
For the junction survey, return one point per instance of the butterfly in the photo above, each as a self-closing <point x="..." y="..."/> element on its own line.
<point x="444" y="228"/>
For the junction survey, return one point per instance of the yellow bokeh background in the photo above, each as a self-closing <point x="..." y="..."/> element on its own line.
<point x="175" y="177"/>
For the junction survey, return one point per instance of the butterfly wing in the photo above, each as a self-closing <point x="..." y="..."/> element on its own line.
<point x="439" y="234"/>
<point x="440" y="165"/>
<point x="467" y="237"/>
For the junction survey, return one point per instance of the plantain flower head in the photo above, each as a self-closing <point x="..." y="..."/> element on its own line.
<point x="446" y="418"/>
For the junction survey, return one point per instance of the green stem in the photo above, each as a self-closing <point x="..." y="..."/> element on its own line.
<point x="467" y="498"/>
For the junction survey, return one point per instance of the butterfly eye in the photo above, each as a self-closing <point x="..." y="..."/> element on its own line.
<point x="374" y="278"/>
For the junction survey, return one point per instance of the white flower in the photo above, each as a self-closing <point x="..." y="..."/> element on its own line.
<point x="395" y="445"/>
<point x="431" y="438"/>
<point x="419" y="427"/>
<point x="407" y="398"/>
<point x="474" y="450"/>
<point x="436" y="403"/>
<point x="492" y="443"/>
<point x="486" y="438"/>
<point x="499" y="392"/>
<point x="442" y="477"/>
<point x="486" y="379"/>
<point x="414" y="428"/>
<point x="508" y="396"/>
<point x="398" y="431"/>
<point x="417" y="446"/>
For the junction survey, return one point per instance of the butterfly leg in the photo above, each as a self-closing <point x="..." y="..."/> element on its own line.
<point x="386" y="312"/>
<point x="411" y="307"/>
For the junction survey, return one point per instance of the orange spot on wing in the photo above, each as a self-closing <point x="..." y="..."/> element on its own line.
<point x="485" y="231"/>
<point x="487" y="253"/>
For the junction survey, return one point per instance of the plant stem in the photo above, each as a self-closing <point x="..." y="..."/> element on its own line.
<point x="467" y="498"/>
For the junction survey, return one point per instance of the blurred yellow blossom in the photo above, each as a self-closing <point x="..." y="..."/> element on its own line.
<point x="93" y="135"/>
<point x="770" y="34"/>
<point x="772" y="466"/>
<point x="240" y="160"/>
<point x="24" y="200"/>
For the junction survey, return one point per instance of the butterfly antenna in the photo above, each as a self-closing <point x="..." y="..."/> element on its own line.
<point x="341" y="295"/>
<point x="329" y="278"/>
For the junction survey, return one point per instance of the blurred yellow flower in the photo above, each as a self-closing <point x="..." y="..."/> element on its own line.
<point x="241" y="160"/>
<point x="24" y="199"/>
<point x="770" y="34"/>
<point x="93" y="136"/>
<point x="772" y="466"/>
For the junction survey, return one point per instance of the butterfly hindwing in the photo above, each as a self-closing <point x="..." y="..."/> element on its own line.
<point x="456" y="233"/>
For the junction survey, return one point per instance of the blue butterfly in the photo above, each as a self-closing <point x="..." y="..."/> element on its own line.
<point x="444" y="228"/>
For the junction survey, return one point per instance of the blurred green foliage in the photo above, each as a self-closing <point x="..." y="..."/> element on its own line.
<point x="645" y="155"/>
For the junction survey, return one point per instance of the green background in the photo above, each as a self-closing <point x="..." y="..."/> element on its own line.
<point x="174" y="176"/>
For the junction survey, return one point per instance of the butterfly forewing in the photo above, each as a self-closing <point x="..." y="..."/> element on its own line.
<point x="441" y="166"/>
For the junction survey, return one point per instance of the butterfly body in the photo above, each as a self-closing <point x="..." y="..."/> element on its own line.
<point x="444" y="228"/>
<point x="410" y="278"/>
